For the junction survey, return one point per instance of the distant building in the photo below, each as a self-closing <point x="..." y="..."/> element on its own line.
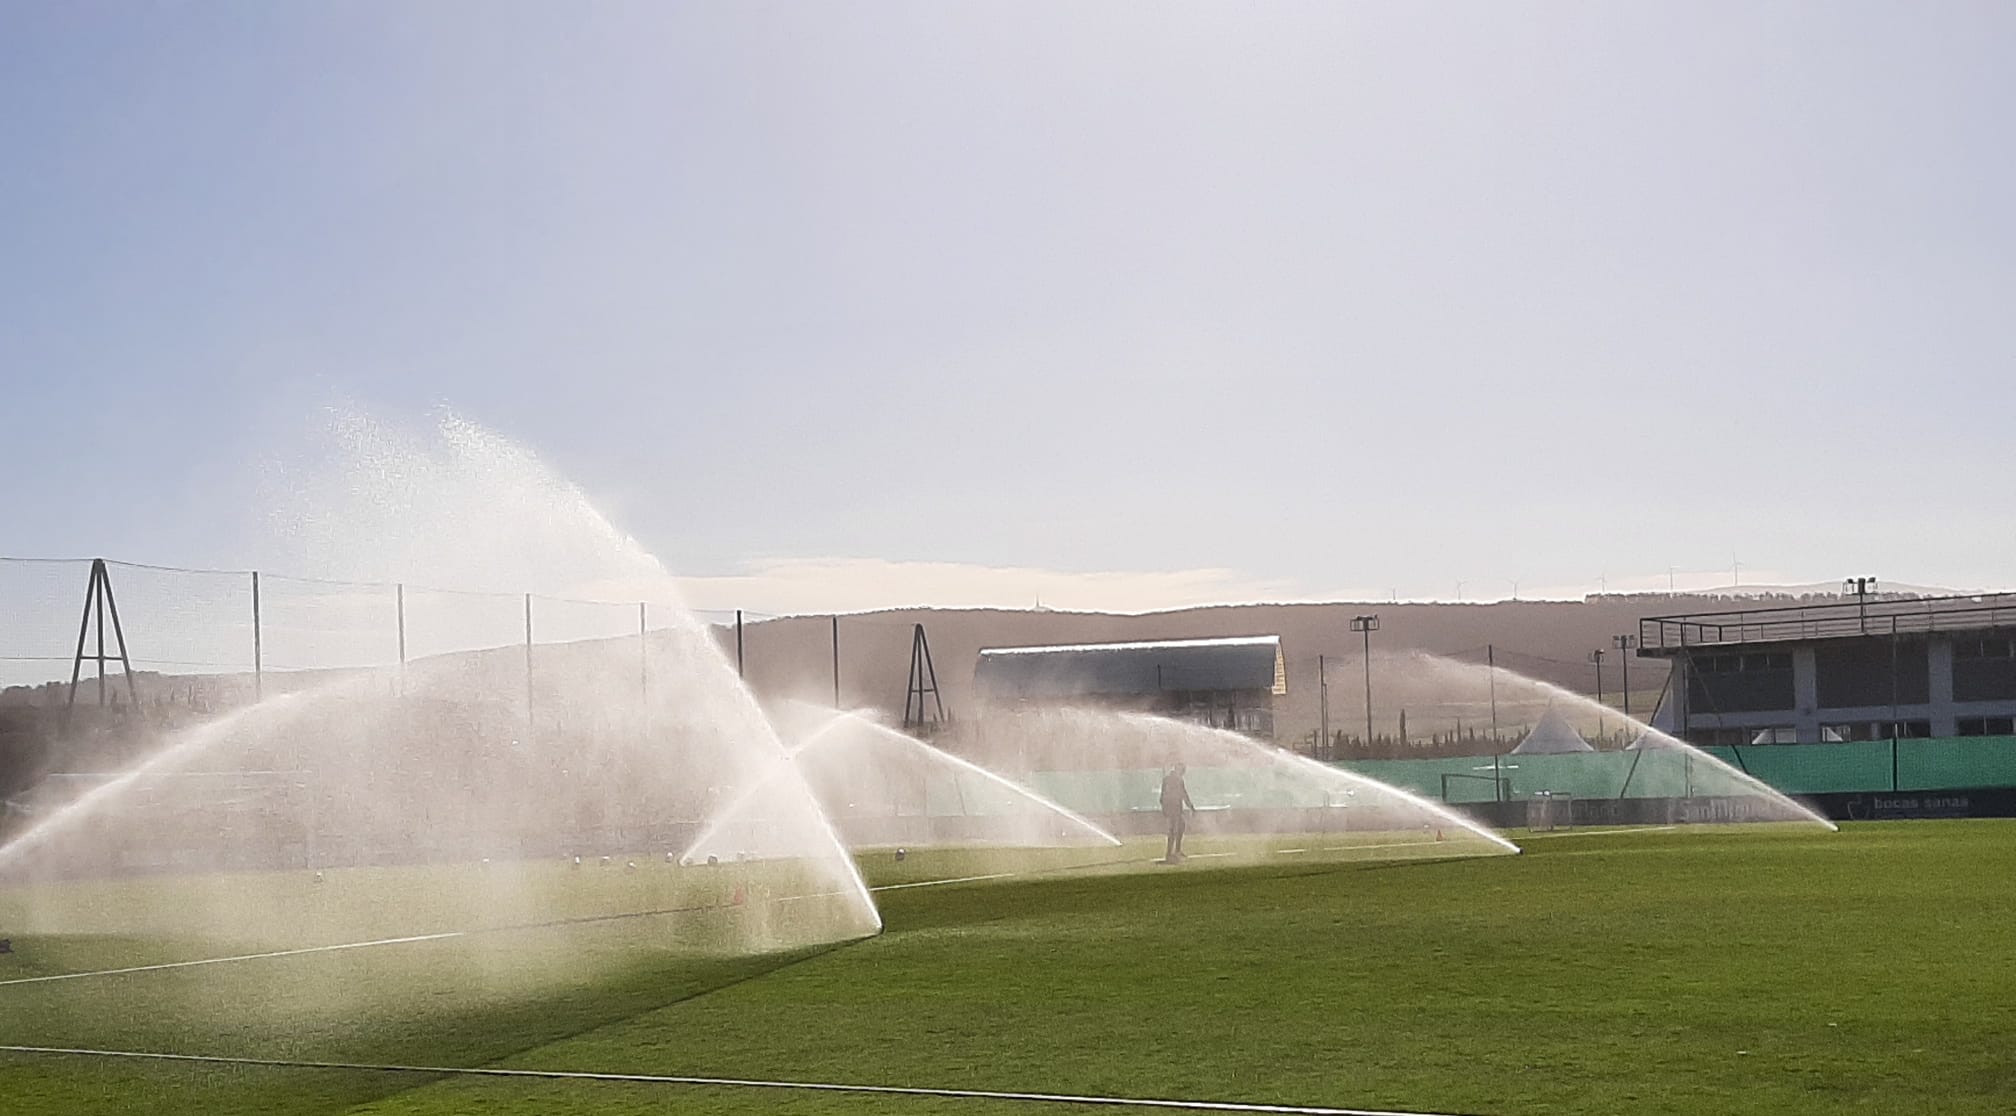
<point x="1228" y="683"/>
<point x="1842" y="671"/>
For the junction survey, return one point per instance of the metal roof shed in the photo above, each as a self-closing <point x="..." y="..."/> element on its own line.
<point x="1237" y="663"/>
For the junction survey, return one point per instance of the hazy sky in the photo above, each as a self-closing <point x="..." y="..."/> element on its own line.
<point x="912" y="302"/>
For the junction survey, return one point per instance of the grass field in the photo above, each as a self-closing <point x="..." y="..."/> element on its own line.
<point x="1737" y="970"/>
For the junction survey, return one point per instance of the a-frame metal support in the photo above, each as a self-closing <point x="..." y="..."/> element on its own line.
<point x="917" y="711"/>
<point x="99" y="604"/>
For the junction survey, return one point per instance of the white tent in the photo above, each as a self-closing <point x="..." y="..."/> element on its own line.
<point x="1552" y="736"/>
<point x="1652" y="739"/>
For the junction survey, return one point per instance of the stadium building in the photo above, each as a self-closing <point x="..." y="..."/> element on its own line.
<point x="1227" y="683"/>
<point x="1849" y="671"/>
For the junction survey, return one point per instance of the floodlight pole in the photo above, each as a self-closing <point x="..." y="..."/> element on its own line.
<point x="1861" y="587"/>
<point x="1596" y="657"/>
<point x="1322" y="708"/>
<point x="1624" y="644"/>
<point x="836" y="662"/>
<point x="1367" y="625"/>
<point x="1491" y="673"/>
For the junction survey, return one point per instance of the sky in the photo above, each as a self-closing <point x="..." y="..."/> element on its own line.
<point x="1115" y="305"/>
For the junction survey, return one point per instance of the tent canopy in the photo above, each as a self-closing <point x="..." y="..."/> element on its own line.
<point x="1552" y="736"/>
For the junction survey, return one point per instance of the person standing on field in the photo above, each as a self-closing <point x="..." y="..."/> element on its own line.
<point x="1175" y="800"/>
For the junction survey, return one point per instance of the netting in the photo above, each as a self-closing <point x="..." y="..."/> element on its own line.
<point x="186" y="630"/>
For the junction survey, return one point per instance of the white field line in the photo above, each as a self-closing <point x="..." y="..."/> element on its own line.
<point x="727" y="1082"/>
<point x="1601" y="832"/>
<point x="443" y="936"/>
<point x="1386" y="845"/>
<point x="954" y="880"/>
<point x="238" y="957"/>
<point x="450" y="934"/>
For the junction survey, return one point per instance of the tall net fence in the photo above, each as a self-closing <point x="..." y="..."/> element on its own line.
<point x="191" y="633"/>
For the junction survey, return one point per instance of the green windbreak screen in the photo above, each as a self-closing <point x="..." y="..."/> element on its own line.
<point x="1975" y="761"/>
<point x="1979" y="761"/>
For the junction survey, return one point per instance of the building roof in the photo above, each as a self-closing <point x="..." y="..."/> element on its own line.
<point x="1842" y="618"/>
<point x="1145" y="667"/>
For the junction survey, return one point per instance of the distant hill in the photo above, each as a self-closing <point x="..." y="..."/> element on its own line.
<point x="1811" y="591"/>
<point x="1548" y="640"/>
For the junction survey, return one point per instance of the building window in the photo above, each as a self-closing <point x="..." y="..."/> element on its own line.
<point x="1872" y="672"/>
<point x="1986" y="726"/>
<point x="1984" y="667"/>
<point x="1984" y="648"/>
<point x="1748" y="682"/>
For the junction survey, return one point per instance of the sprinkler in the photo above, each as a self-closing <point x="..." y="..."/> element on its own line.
<point x="902" y="854"/>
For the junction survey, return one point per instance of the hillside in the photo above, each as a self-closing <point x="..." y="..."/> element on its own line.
<point x="1548" y="640"/>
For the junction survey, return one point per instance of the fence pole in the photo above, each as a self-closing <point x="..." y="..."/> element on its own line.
<point x="258" y="648"/>
<point x="836" y="662"/>
<point x="400" y="597"/>
<point x="528" y="667"/>
<point x="738" y="643"/>
<point x="643" y="655"/>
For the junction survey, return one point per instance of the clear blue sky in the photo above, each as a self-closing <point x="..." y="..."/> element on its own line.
<point x="1319" y="298"/>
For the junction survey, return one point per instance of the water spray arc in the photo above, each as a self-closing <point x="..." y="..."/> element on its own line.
<point x="828" y="740"/>
<point x="1645" y="735"/>
<point x="1109" y="765"/>
<point x="828" y="756"/>
<point x="479" y="741"/>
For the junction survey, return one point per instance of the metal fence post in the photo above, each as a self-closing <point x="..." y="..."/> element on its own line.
<point x="400" y="597"/>
<point x="258" y="649"/>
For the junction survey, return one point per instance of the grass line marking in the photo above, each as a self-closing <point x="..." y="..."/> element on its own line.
<point x="582" y="920"/>
<point x="953" y="880"/>
<point x="1385" y="845"/>
<point x="724" y="1082"/>
<point x="1601" y="832"/>
<point x="239" y="957"/>
<point x="409" y="939"/>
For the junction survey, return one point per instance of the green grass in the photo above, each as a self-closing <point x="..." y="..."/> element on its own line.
<point x="1739" y="970"/>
